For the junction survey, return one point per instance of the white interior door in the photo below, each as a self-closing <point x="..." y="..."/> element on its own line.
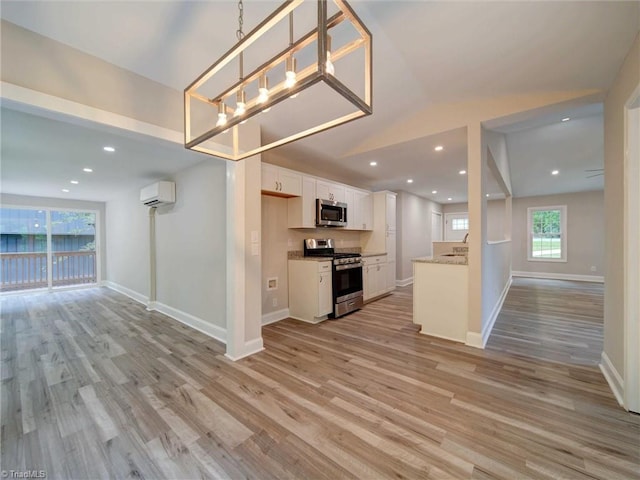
<point x="456" y="226"/>
<point x="436" y="227"/>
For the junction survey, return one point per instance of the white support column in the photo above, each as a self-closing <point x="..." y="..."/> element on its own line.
<point x="244" y="304"/>
<point x="477" y="230"/>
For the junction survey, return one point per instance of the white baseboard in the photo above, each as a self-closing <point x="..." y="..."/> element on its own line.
<point x="274" y="317"/>
<point x="405" y="282"/>
<point x="561" y="276"/>
<point x="213" y="331"/>
<point x="138" y="297"/>
<point x="479" y="340"/>
<point x="192" y="321"/>
<point x="615" y="381"/>
<point x="249" y="348"/>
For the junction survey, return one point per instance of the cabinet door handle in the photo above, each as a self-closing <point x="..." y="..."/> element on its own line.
<point x="320" y="279"/>
<point x="378" y="267"/>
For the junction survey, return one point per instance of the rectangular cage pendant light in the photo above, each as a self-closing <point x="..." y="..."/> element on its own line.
<point x="304" y="84"/>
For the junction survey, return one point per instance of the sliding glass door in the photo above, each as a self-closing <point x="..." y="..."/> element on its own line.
<point x="23" y="249"/>
<point x="73" y="244"/>
<point x="46" y="248"/>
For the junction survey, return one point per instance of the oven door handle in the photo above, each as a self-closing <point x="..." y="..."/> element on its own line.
<point x="348" y="266"/>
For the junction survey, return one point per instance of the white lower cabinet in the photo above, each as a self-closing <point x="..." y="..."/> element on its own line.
<point x="310" y="290"/>
<point x="325" y="294"/>
<point x="374" y="276"/>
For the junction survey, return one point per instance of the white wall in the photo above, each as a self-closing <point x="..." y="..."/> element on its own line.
<point x="496" y="278"/>
<point x="414" y="236"/>
<point x="585" y="234"/>
<point x="614" y="174"/>
<point x="497" y="144"/>
<point x="127" y="232"/>
<point x="7" y="200"/>
<point x="190" y="241"/>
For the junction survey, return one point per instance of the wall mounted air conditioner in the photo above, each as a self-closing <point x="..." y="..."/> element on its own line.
<point x="159" y="193"/>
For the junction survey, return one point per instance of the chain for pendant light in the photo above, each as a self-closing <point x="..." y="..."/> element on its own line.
<point x="240" y="35"/>
<point x="239" y="32"/>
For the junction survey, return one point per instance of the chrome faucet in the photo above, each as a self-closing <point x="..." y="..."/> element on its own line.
<point x="465" y="238"/>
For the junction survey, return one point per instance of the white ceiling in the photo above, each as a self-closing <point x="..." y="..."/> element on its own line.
<point x="424" y="53"/>
<point x="41" y="156"/>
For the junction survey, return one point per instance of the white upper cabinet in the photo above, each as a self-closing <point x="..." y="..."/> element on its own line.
<point x="302" y="191"/>
<point x="350" y="200"/>
<point x="365" y="200"/>
<point x="383" y="237"/>
<point x="330" y="191"/>
<point x="302" y="210"/>
<point x="391" y="211"/>
<point x="280" y="181"/>
<point x="359" y="211"/>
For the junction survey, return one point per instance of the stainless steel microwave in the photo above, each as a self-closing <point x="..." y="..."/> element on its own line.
<point x="330" y="213"/>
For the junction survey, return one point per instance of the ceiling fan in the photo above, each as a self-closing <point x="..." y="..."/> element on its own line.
<point x="594" y="172"/>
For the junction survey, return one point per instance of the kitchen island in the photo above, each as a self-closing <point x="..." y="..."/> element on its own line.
<point x="440" y="303"/>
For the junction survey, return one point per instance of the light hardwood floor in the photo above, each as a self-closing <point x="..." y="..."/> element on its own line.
<point x="94" y="386"/>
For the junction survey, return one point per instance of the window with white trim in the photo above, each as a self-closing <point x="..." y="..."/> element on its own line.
<point x="460" y="224"/>
<point x="547" y="232"/>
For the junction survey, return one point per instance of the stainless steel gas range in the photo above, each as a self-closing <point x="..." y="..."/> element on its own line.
<point x="346" y="277"/>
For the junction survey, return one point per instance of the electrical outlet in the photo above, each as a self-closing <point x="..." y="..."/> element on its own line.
<point x="275" y="302"/>
<point x="593" y="268"/>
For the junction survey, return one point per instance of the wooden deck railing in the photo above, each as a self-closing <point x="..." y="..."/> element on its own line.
<point x="21" y="271"/>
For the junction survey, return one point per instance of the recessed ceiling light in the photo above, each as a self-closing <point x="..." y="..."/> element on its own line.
<point x="487" y="194"/>
<point x="75" y="182"/>
<point x="65" y="190"/>
<point x="462" y="172"/>
<point x="566" y="119"/>
<point x="439" y="148"/>
<point x="373" y="164"/>
<point x="449" y="198"/>
<point x="410" y="180"/>
<point x="109" y="149"/>
<point x="434" y="191"/>
<point x="88" y="170"/>
<point x="555" y="172"/>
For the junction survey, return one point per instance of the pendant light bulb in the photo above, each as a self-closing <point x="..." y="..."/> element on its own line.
<point x="241" y="103"/>
<point x="330" y="69"/>
<point x="263" y="89"/>
<point x="222" y="114"/>
<point x="290" y="73"/>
